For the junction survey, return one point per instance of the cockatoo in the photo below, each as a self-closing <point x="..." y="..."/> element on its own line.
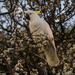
<point x="39" y="26"/>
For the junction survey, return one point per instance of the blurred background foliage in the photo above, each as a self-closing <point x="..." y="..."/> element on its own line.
<point x="19" y="54"/>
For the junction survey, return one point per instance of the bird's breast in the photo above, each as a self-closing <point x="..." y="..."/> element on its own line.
<point x="34" y="26"/>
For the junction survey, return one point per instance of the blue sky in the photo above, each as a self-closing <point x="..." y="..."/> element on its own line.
<point x="71" y="21"/>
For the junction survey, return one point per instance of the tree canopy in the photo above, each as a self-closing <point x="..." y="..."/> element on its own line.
<point x="18" y="51"/>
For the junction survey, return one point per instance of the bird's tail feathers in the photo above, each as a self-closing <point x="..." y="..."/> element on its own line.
<point x="51" y="56"/>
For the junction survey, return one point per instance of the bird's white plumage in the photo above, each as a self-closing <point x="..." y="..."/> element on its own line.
<point x="37" y="27"/>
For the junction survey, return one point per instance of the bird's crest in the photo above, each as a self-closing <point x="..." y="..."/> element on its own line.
<point x="37" y="12"/>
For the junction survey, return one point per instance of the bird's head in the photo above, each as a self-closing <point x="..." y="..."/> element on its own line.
<point x="31" y="15"/>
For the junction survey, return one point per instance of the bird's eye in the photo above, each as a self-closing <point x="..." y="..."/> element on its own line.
<point x="30" y="13"/>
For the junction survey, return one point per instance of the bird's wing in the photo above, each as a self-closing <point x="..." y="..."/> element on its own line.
<point x="48" y="31"/>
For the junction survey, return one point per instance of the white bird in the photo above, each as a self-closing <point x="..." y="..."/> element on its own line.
<point x="37" y="27"/>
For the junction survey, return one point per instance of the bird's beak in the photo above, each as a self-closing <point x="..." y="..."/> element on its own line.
<point x="27" y="17"/>
<point x="37" y="12"/>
